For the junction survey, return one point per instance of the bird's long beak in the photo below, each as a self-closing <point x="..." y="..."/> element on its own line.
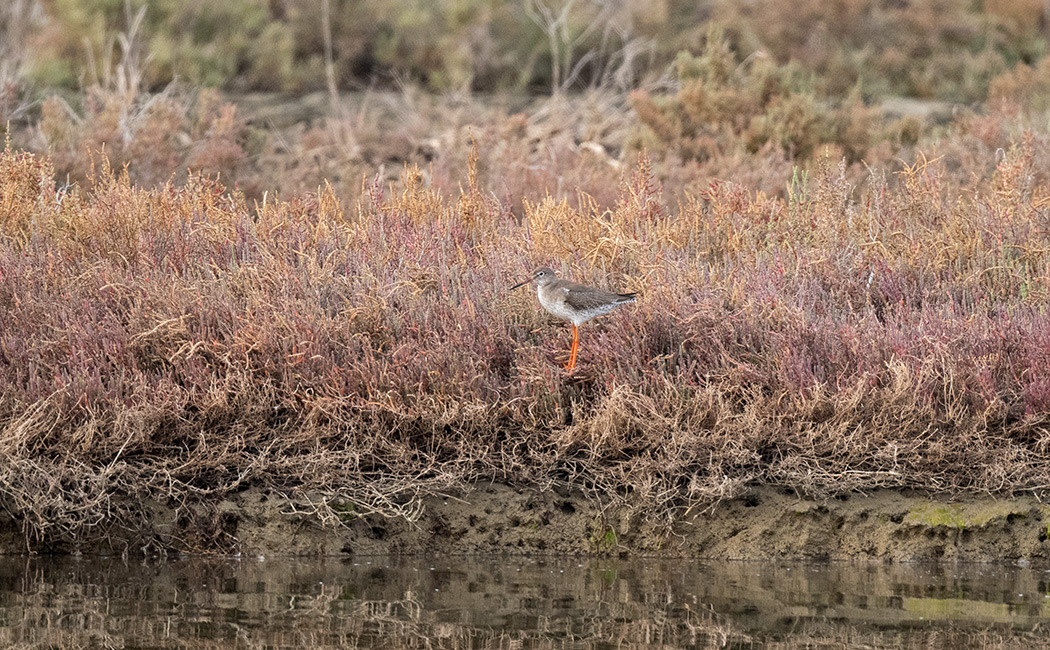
<point x="521" y="284"/>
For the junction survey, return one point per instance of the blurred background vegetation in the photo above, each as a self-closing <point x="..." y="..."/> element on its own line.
<point x="717" y="89"/>
<point x="932" y="49"/>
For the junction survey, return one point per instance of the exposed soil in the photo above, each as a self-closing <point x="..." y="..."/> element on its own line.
<point x="767" y="524"/>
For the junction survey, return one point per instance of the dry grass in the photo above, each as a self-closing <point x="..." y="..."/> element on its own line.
<point x="204" y="304"/>
<point x="180" y="341"/>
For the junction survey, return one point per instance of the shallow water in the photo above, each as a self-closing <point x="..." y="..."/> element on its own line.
<point x="516" y="603"/>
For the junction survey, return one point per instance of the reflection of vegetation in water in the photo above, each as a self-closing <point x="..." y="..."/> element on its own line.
<point x="959" y="609"/>
<point x="476" y="603"/>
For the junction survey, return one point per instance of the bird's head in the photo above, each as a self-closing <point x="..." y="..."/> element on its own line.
<point x="540" y="276"/>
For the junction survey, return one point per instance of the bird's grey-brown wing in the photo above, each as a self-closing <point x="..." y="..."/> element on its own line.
<point x="587" y="299"/>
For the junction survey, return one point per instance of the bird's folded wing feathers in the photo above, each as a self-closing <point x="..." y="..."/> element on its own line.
<point x="590" y="299"/>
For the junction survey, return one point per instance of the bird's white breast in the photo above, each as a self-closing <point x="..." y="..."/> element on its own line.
<point x="553" y="301"/>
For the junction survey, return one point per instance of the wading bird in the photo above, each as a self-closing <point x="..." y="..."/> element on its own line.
<point x="576" y="303"/>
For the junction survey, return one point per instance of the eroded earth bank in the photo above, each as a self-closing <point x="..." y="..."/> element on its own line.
<point x="768" y="523"/>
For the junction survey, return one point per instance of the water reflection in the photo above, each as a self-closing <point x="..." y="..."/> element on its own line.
<point x="516" y="603"/>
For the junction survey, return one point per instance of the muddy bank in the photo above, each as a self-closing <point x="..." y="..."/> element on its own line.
<point x="767" y="524"/>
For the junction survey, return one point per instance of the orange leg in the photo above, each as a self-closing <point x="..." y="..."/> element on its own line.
<point x="575" y="348"/>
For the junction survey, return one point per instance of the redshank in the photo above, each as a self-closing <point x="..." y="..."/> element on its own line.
<point x="576" y="303"/>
